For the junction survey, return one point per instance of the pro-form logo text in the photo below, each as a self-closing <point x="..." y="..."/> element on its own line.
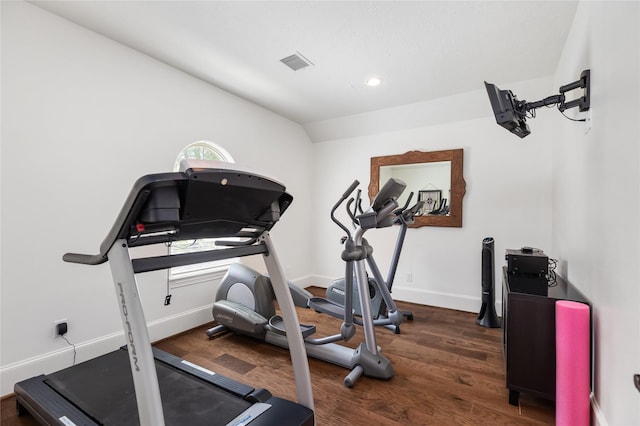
<point x="125" y="314"/>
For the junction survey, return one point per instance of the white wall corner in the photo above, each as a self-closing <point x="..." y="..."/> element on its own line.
<point x="598" y="415"/>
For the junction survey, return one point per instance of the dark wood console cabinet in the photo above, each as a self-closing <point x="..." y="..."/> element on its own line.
<point x="529" y="337"/>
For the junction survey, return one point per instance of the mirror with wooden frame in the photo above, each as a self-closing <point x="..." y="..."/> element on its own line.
<point x="434" y="177"/>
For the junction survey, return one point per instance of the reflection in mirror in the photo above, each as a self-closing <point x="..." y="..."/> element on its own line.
<point x="431" y="183"/>
<point x="433" y="177"/>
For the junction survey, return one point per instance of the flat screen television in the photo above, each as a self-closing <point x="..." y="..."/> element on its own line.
<point x="506" y="110"/>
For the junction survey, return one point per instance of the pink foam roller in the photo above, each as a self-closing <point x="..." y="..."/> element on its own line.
<point x="573" y="365"/>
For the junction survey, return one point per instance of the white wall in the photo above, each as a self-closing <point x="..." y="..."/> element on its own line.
<point x="596" y="182"/>
<point x="508" y="197"/>
<point x="82" y="118"/>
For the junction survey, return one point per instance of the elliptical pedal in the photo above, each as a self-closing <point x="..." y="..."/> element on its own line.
<point x="327" y="307"/>
<point x="276" y="324"/>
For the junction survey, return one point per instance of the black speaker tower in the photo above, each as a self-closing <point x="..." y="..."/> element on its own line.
<point x="487" y="316"/>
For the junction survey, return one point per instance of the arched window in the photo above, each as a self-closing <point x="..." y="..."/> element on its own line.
<point x="201" y="150"/>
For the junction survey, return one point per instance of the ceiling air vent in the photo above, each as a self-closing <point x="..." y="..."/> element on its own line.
<point x="296" y="61"/>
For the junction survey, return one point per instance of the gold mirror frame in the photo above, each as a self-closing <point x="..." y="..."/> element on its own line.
<point x="458" y="185"/>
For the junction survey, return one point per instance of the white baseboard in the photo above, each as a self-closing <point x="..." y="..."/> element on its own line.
<point x="306" y="281"/>
<point x="321" y="280"/>
<point x="455" y="301"/>
<point x="56" y="360"/>
<point x="63" y="358"/>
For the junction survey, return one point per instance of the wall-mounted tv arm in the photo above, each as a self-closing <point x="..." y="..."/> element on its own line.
<point x="582" y="102"/>
<point x="512" y="113"/>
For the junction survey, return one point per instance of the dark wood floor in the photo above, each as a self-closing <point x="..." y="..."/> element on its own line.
<point x="448" y="370"/>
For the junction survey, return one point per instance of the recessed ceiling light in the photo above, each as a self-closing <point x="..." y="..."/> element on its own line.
<point x="374" y="81"/>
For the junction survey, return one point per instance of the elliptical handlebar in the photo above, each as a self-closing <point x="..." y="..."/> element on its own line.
<point x="357" y="207"/>
<point x="408" y="215"/>
<point x="400" y="210"/>
<point x="349" y="212"/>
<point x="384" y="205"/>
<point x="348" y="192"/>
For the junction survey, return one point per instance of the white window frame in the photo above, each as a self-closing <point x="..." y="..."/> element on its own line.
<point x="199" y="272"/>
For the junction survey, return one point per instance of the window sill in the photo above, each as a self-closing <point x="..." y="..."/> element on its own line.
<point x="200" y="276"/>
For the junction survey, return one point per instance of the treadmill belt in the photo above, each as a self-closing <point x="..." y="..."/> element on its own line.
<point x="103" y="389"/>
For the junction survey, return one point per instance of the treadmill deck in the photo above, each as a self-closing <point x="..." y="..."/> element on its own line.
<point x="102" y="392"/>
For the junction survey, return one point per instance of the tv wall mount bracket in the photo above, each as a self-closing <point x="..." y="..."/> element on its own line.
<point x="511" y="113"/>
<point x="583" y="102"/>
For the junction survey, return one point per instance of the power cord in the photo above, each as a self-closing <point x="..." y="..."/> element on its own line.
<point x="552" y="280"/>
<point x="73" y="346"/>
<point x="569" y="118"/>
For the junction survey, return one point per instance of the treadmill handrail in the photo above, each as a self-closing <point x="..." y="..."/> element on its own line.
<point x="85" y="259"/>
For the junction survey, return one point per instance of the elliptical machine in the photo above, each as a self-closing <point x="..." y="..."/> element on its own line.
<point x="244" y="301"/>
<point x="384" y="309"/>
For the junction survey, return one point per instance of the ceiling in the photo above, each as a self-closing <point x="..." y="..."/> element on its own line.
<point x="422" y="50"/>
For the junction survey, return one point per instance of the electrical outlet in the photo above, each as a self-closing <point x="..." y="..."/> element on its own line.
<point x="588" y="122"/>
<point x="409" y="277"/>
<point x="55" y="326"/>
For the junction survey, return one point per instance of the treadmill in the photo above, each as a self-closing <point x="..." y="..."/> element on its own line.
<point x="141" y="385"/>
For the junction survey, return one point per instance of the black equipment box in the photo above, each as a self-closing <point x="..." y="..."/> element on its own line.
<point x="525" y="261"/>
